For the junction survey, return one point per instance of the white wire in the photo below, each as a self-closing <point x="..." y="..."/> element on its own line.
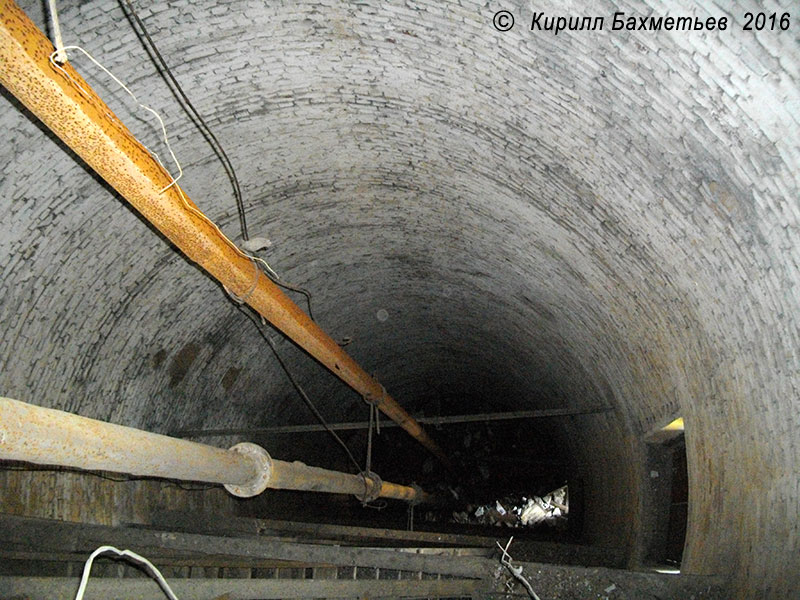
<point x="199" y="214"/>
<point x="61" y="54"/>
<point x="155" y="573"/>
<point x="53" y="61"/>
<point x="174" y="180"/>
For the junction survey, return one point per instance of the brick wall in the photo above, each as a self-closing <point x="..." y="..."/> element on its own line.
<point x="591" y="218"/>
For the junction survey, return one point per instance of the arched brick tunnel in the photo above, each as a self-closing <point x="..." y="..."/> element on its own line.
<point x="594" y="219"/>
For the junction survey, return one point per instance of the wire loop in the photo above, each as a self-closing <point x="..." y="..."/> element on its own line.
<point x="54" y="58"/>
<point x="136" y="558"/>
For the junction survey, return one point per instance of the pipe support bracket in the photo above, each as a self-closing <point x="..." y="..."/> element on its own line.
<point x="372" y="487"/>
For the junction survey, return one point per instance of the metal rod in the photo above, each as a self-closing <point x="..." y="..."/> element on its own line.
<point x="355" y="425"/>
<point x="74" y="112"/>
<point x="52" y="437"/>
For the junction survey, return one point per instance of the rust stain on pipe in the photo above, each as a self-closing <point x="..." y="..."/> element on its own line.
<point x="88" y="126"/>
<point x="52" y="437"/>
<point x="299" y="476"/>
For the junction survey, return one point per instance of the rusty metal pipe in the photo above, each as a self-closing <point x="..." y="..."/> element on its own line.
<point x="52" y="437"/>
<point x="84" y="122"/>
<point x="47" y="436"/>
<point x="298" y="476"/>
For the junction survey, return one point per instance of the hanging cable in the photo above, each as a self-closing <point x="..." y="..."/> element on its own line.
<point x="79" y="87"/>
<point x="374" y="424"/>
<point x="152" y="570"/>
<point x="61" y="53"/>
<point x="294" y="288"/>
<point x="298" y="387"/>
<point x="196" y="118"/>
<point x="368" y="468"/>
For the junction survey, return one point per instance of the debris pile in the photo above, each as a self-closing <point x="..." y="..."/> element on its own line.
<point x="550" y="509"/>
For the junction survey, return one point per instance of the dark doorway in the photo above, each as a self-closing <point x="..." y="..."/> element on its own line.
<point x="666" y="497"/>
<point x="679" y="503"/>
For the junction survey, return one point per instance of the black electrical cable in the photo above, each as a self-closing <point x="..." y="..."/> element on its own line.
<point x="293" y="288"/>
<point x="216" y="146"/>
<point x="195" y="116"/>
<point x="209" y="136"/>
<point x="299" y="388"/>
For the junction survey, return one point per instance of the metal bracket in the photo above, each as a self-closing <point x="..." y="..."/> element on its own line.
<point x="374" y="400"/>
<point x="372" y="487"/>
<point x="263" y="464"/>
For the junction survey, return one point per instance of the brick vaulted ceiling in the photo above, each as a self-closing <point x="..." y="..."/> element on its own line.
<point x="594" y="218"/>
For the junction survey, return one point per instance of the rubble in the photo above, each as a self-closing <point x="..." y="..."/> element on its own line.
<point x="551" y="509"/>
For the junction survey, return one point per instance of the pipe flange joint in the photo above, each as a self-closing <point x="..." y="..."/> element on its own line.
<point x="372" y="487"/>
<point x="263" y="464"/>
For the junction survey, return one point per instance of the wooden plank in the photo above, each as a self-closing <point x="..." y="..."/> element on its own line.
<point x="71" y="537"/>
<point x="325" y="533"/>
<point x="549" y="580"/>
<point x="63" y="588"/>
<point x="166" y="559"/>
<point x="319" y="531"/>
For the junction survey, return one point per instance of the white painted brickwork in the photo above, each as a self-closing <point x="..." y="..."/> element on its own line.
<point x="594" y="217"/>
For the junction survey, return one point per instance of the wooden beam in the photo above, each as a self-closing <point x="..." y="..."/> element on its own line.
<point x="21" y="533"/>
<point x="166" y="559"/>
<point x="545" y="551"/>
<point x="63" y="588"/>
<point x="548" y="580"/>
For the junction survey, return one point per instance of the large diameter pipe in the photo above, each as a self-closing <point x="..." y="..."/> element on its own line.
<point x="47" y="436"/>
<point x="77" y="115"/>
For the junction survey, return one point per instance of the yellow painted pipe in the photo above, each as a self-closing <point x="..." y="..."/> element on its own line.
<point x="74" y="112"/>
